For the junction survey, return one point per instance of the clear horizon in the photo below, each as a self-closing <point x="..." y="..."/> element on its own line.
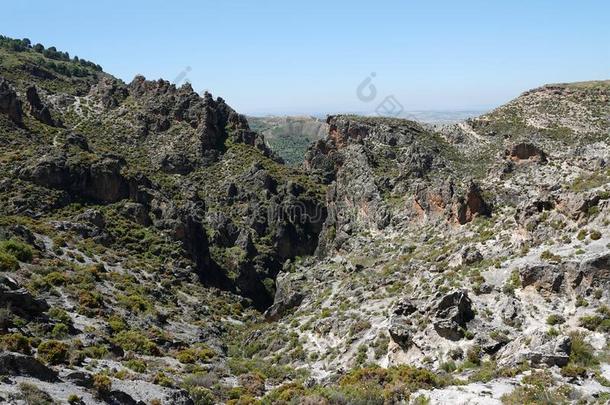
<point x="321" y="57"/>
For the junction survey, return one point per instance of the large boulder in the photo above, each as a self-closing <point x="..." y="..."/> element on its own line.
<point x="9" y="103"/>
<point x="453" y="312"/>
<point x="401" y="327"/>
<point x="224" y="232"/>
<point x="592" y="272"/>
<point x="164" y="105"/>
<point x="38" y="110"/>
<point x="19" y="300"/>
<point x="109" y="91"/>
<point x="510" y="310"/>
<point x="99" y="181"/>
<point x="530" y="208"/>
<point x="288" y="295"/>
<point x="537" y="349"/>
<point x="544" y="277"/>
<point x="16" y="364"/>
<point x="401" y="332"/>
<point x="578" y="205"/>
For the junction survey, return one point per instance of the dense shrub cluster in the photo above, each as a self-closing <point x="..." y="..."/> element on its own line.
<point x="53" y="352"/>
<point x="13" y="251"/>
<point x="76" y="68"/>
<point x="368" y="385"/>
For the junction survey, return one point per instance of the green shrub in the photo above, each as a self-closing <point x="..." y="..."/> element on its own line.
<point x="473" y="354"/>
<point x="74" y="399"/>
<point x="163" y="380"/>
<point x="116" y="323"/>
<point x="604" y="311"/>
<point x="91" y="300"/>
<point x="8" y="262"/>
<point x="555" y="319"/>
<point x="15" y="342"/>
<point x="549" y="256"/>
<point x="102" y="383"/>
<point x="489" y="370"/>
<point x="195" y="354"/>
<point x="136" y="342"/>
<point x="136" y="365"/>
<point x="590" y="322"/>
<point x="55" y="278"/>
<point x="552" y="332"/>
<point x="31" y="394"/>
<point x="202" y="396"/>
<point x="537" y="388"/>
<point x="135" y="303"/>
<point x="59" y="331"/>
<point x="20" y="250"/>
<point x="582" y="353"/>
<point x="449" y="366"/>
<point x="512" y="283"/>
<point x="595" y="235"/>
<point x="52" y="352"/>
<point x="59" y="315"/>
<point x="573" y="371"/>
<point x="604" y="326"/>
<point x="581" y="302"/>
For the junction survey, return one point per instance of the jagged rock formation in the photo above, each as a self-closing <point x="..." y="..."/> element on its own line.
<point x="387" y="171"/>
<point x="9" y="104"/>
<point x="37" y="109"/>
<point x="487" y="231"/>
<point x="154" y="249"/>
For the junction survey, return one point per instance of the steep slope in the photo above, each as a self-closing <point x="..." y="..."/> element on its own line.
<point x="142" y="223"/>
<point x="480" y="255"/>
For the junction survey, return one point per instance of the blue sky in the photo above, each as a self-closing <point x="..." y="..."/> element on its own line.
<point x="309" y="57"/>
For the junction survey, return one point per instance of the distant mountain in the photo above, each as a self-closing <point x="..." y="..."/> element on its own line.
<point x="440" y="117"/>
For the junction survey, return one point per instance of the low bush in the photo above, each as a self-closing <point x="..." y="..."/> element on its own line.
<point x="15" y="342"/>
<point x="537" y="388"/>
<point x="136" y="342"/>
<point x="8" y="262"/>
<point x="195" y="354"/>
<point x="31" y="394"/>
<point x="59" y="331"/>
<point x="137" y="365"/>
<point x="582" y="353"/>
<point x="555" y="319"/>
<point x="53" y="352"/>
<point x="18" y="249"/>
<point x="102" y="384"/>
<point x="590" y="322"/>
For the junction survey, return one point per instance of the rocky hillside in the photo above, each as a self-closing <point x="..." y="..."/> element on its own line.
<point x="289" y="137"/>
<point x="154" y="249"/>
<point x="140" y="205"/>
